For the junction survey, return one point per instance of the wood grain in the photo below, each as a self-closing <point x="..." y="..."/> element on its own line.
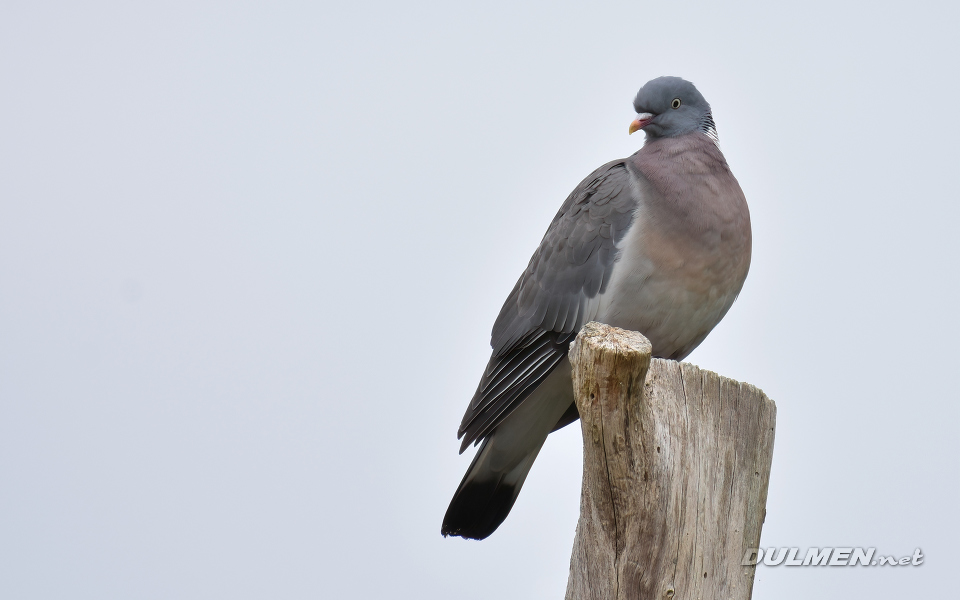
<point x="676" y="462"/>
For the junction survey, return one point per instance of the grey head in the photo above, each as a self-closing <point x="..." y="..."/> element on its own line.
<point x="671" y="106"/>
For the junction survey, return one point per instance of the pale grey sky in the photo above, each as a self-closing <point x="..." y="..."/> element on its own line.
<point x="250" y="255"/>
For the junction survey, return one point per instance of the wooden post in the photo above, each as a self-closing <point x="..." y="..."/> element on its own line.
<point x="676" y="462"/>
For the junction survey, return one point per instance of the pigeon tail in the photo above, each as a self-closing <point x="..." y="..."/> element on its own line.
<point x="485" y="495"/>
<point x="500" y="467"/>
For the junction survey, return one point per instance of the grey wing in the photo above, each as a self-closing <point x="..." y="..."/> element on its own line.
<point x="557" y="293"/>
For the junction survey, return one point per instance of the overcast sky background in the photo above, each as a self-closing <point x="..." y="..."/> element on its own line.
<point x="250" y="256"/>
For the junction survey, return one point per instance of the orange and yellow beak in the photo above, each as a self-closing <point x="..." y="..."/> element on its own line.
<point x="642" y="120"/>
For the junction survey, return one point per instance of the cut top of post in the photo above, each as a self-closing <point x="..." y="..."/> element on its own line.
<point x="604" y="338"/>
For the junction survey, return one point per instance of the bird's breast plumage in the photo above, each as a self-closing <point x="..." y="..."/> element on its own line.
<point x="687" y="253"/>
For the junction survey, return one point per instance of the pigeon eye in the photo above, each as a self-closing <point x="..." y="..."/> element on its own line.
<point x="675" y="103"/>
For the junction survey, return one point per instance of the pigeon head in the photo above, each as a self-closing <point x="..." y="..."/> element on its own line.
<point x="670" y="106"/>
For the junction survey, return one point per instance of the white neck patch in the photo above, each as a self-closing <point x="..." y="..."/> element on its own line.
<point x="709" y="128"/>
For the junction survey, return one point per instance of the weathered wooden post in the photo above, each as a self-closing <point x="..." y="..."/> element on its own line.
<point x="676" y="462"/>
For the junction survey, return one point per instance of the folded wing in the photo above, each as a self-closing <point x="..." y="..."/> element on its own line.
<point x="558" y="292"/>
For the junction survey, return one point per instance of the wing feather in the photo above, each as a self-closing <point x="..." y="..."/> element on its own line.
<point x="552" y="299"/>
